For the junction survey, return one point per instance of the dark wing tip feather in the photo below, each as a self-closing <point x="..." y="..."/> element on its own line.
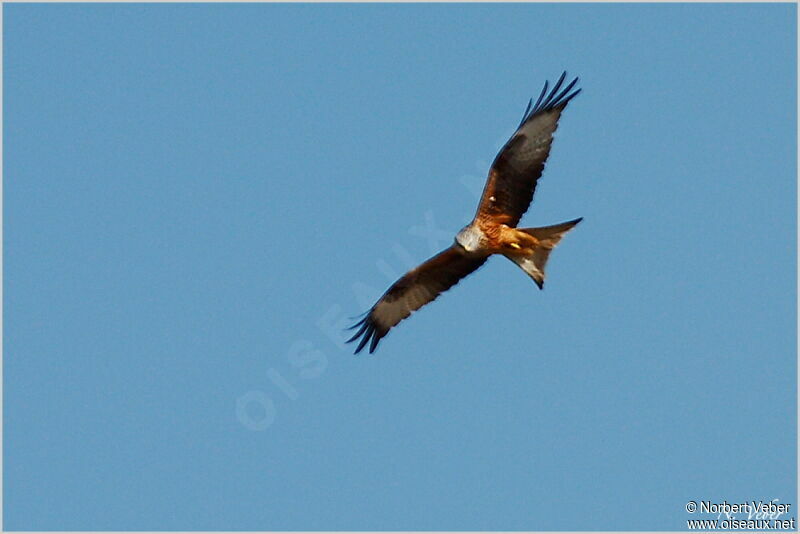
<point x="555" y="89"/>
<point x="565" y="101"/>
<point x="374" y="343"/>
<point x="368" y="331"/>
<point x="359" y="323"/>
<point x="527" y="109"/>
<point x="363" y="324"/>
<point x="554" y="99"/>
<point x="359" y="316"/>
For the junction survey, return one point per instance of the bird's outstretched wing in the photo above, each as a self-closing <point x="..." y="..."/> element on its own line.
<point x="516" y="169"/>
<point x="416" y="288"/>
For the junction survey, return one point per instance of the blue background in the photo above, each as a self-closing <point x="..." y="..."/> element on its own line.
<point x="198" y="196"/>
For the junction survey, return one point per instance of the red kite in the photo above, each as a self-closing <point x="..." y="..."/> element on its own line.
<point x="506" y="197"/>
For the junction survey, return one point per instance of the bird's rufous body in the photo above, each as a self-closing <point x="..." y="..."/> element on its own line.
<point x="503" y="239"/>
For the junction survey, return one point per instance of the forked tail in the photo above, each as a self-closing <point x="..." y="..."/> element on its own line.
<point x="548" y="237"/>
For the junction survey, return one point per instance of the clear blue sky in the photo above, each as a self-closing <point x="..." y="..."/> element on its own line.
<point x="197" y="195"/>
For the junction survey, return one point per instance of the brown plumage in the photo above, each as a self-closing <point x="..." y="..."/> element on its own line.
<point x="508" y="193"/>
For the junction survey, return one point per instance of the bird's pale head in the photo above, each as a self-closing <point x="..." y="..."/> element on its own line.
<point x="469" y="238"/>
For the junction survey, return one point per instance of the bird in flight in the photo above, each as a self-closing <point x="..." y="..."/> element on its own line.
<point x="506" y="197"/>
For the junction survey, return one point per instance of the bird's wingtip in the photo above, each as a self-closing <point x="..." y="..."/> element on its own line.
<point x="369" y="334"/>
<point x="553" y="99"/>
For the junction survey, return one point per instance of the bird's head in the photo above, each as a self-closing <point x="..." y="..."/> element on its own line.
<point x="469" y="239"/>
